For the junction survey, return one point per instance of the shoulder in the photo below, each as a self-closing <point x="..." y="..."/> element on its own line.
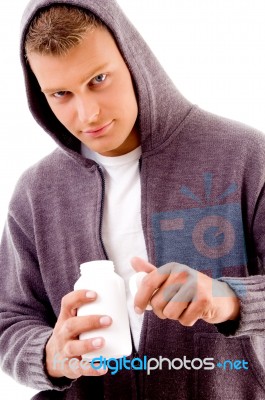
<point x="37" y="182"/>
<point x="45" y="168"/>
<point x="52" y="177"/>
<point x="227" y="132"/>
<point x="211" y="136"/>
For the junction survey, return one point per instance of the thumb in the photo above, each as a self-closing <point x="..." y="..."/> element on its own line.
<point x="139" y="264"/>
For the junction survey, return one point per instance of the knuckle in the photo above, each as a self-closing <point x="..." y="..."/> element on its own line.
<point x="73" y="299"/>
<point x="204" y="303"/>
<point x="68" y="328"/>
<point x="167" y="268"/>
<point x="175" y="267"/>
<point x="148" y="283"/>
<point x="157" y="301"/>
<point x="192" y="289"/>
<point x="92" y="322"/>
<point x="155" y="307"/>
<point x="76" y="371"/>
<point x="169" y="291"/>
<point x="161" y="316"/>
<point x="186" y="322"/>
<point x="64" y="301"/>
<point x="182" y="276"/>
<point x="69" y="349"/>
<point x="158" y="312"/>
<point x="169" y="313"/>
<point x="94" y="372"/>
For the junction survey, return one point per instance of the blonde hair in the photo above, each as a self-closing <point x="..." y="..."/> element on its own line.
<point x="59" y="28"/>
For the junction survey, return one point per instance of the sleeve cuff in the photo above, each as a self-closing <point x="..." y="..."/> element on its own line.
<point x="40" y="379"/>
<point x="251" y="293"/>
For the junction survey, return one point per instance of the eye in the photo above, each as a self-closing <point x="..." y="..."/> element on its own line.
<point x="98" y="79"/>
<point x="60" y="95"/>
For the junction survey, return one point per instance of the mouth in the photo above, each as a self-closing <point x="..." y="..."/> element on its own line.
<point x="98" y="131"/>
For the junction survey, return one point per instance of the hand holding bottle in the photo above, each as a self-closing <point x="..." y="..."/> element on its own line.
<point x="64" y="343"/>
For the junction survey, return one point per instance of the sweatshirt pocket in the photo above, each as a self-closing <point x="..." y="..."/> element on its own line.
<point x="236" y="370"/>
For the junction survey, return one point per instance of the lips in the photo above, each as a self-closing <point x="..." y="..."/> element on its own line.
<point x="98" y="130"/>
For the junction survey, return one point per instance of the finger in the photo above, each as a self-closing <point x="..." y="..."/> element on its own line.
<point x="87" y="368"/>
<point x="92" y="369"/>
<point x="73" y="300"/>
<point x="74" y="326"/>
<point x="163" y="296"/>
<point x="139" y="264"/>
<point x="74" y="348"/>
<point x="72" y="372"/>
<point x="180" y="302"/>
<point x="151" y="284"/>
<point x="190" y="315"/>
<point x="75" y="367"/>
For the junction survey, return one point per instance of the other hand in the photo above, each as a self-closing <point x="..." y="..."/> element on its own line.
<point x="178" y="292"/>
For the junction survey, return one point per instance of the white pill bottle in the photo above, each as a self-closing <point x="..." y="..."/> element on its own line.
<point x="100" y="277"/>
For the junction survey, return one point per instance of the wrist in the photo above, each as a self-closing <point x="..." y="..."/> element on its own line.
<point x="49" y="363"/>
<point x="235" y="309"/>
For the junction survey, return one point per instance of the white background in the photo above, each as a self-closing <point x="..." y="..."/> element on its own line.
<point x="214" y="50"/>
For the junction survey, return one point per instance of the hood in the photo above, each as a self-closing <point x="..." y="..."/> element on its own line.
<point x="161" y="107"/>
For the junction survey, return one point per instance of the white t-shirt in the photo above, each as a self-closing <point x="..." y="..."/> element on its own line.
<point x="122" y="231"/>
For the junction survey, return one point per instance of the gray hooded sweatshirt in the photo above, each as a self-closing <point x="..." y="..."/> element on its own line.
<point x="203" y="205"/>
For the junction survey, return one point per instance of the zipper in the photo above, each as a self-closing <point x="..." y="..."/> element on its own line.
<point x="140" y="163"/>
<point x="101" y="210"/>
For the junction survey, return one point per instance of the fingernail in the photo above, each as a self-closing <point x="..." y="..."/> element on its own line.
<point x="90" y="294"/>
<point x="138" y="310"/>
<point x="105" y="320"/>
<point x="97" y="342"/>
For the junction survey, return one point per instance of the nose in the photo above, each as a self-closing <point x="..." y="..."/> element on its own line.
<point x="88" y="109"/>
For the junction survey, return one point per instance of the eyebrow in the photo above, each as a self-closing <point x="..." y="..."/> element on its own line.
<point x="89" y="76"/>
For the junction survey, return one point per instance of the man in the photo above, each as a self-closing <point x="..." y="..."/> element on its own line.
<point x="139" y="172"/>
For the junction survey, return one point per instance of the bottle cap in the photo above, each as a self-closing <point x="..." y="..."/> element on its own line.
<point x="100" y="266"/>
<point x="134" y="284"/>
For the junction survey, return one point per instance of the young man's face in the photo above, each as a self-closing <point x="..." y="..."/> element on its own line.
<point x="91" y="93"/>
